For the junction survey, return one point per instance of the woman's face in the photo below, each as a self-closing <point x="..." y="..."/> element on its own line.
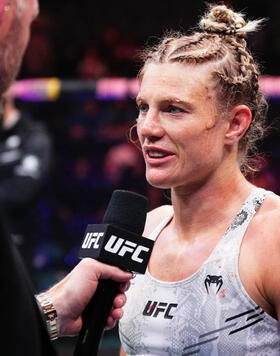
<point x="181" y="135"/>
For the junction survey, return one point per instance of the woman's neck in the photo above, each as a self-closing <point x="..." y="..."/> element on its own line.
<point x="209" y="205"/>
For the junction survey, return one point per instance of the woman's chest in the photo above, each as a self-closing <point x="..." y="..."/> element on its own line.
<point x="172" y="261"/>
<point x="207" y="313"/>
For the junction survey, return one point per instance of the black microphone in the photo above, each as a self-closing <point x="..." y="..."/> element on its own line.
<point x="118" y="242"/>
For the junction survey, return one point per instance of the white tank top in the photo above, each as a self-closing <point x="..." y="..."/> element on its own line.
<point x="208" y="313"/>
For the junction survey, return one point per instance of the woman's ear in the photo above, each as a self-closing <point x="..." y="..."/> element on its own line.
<point x="239" y="121"/>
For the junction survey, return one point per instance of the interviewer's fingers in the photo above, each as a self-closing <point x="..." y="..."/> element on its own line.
<point x="124" y="286"/>
<point x="116" y="314"/>
<point x="119" y="301"/>
<point x="105" y="271"/>
<point x="116" y="311"/>
<point x="111" y="323"/>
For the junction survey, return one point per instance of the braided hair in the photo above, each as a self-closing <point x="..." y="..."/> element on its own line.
<point x="221" y="41"/>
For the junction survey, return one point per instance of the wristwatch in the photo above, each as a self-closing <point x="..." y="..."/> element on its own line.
<point x="50" y="314"/>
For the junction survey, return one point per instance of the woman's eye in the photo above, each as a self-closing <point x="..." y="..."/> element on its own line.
<point x="143" y="108"/>
<point x="174" y="110"/>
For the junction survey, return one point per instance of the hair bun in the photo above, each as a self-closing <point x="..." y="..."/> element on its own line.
<point x="222" y="20"/>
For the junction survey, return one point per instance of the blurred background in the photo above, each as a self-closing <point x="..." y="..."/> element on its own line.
<point x="86" y="150"/>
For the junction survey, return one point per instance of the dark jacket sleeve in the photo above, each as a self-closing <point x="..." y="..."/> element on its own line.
<point x="23" y="330"/>
<point x="20" y="183"/>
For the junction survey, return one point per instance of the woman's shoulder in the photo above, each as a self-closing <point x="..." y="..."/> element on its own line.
<point x="271" y="207"/>
<point x="267" y="221"/>
<point x="263" y="237"/>
<point x="156" y="216"/>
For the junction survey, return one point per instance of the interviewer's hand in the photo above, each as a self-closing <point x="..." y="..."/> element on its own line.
<point x="72" y="294"/>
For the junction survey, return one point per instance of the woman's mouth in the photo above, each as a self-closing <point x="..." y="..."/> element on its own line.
<point x="157" y="155"/>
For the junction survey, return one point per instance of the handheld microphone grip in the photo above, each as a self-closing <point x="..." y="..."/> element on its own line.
<point x="94" y="318"/>
<point x="119" y="242"/>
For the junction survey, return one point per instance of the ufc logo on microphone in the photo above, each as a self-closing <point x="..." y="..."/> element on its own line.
<point x="120" y="247"/>
<point x="156" y="308"/>
<point x="92" y="238"/>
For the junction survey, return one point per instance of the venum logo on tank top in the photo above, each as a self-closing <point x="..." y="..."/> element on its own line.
<point x="217" y="281"/>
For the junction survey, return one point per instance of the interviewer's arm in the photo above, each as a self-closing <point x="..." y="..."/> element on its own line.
<point x="71" y="295"/>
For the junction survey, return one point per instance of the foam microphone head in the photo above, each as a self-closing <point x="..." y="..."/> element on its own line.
<point x="118" y="240"/>
<point x="127" y="210"/>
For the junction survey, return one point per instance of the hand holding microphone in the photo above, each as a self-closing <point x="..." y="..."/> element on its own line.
<point x="71" y="295"/>
<point x="117" y="242"/>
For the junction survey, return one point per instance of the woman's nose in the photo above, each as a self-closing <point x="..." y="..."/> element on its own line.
<point x="150" y="126"/>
